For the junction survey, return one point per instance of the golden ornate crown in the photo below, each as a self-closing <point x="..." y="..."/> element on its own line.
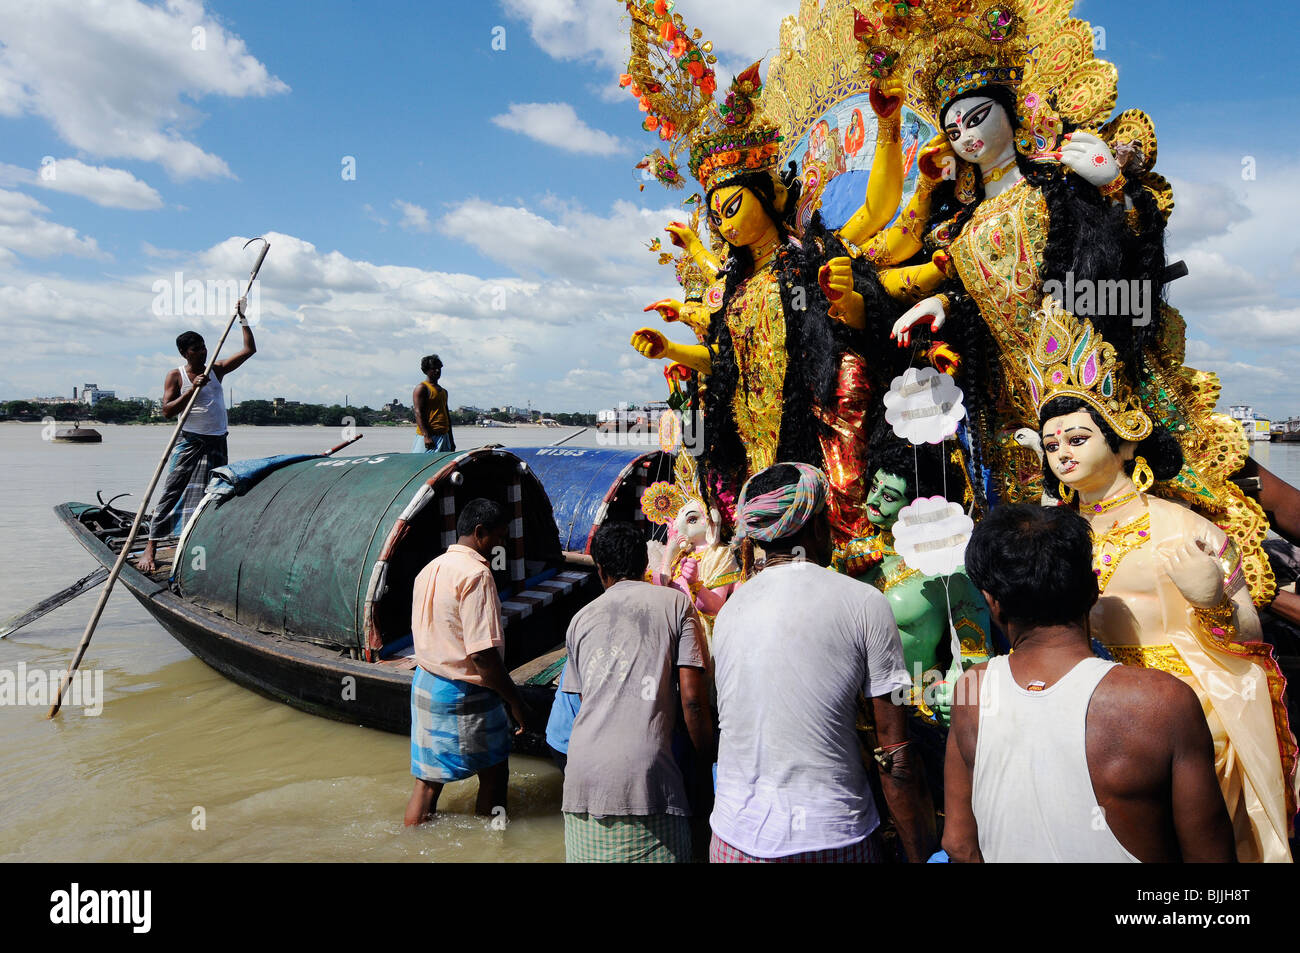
<point x="943" y="49"/>
<point x="1070" y="359"/>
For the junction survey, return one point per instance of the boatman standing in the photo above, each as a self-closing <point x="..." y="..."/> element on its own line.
<point x="202" y="443"/>
<point x="431" y="417"/>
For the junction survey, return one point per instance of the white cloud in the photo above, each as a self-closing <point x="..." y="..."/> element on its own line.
<point x="1203" y="210"/>
<point x="552" y="330"/>
<point x="586" y="30"/>
<point x="558" y="125"/>
<point x="107" y="187"/>
<point x="574" y="245"/>
<point x="596" y="30"/>
<point x="1213" y="283"/>
<point x="415" y="218"/>
<point x="117" y="78"/>
<point x="23" y="230"/>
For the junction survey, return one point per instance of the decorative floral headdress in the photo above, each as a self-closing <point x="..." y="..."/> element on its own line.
<point x="670" y="72"/>
<point x="1070" y="359"/>
<point x="738" y="138"/>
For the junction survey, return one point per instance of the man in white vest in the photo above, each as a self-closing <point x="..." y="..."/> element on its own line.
<point x="201" y="446"/>
<point x="1057" y="755"/>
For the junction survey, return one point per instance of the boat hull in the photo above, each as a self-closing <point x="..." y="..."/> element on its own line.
<point x="311" y="678"/>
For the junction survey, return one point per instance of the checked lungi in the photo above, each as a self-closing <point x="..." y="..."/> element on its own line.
<point x="457" y="729"/>
<point x="866" y="851"/>
<point x="193" y="458"/>
<point x="627" y="839"/>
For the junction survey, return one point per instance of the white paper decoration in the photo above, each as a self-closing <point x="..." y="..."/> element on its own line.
<point x="924" y="406"/>
<point x="931" y="535"/>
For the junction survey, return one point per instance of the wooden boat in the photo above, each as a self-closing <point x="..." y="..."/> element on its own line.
<point x="78" y="434"/>
<point x="297" y="583"/>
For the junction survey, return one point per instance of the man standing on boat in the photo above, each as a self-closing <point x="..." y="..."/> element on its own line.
<point x="201" y="446"/>
<point x="458" y="719"/>
<point x="432" y="419"/>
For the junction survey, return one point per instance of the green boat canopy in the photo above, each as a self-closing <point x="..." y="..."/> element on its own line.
<point x="327" y="550"/>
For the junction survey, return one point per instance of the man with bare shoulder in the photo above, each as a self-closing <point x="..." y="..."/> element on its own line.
<point x="432" y="420"/>
<point x="201" y="446"/>
<point x="1055" y="754"/>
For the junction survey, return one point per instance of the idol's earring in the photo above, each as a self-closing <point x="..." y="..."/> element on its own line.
<point x="1067" y="494"/>
<point x="1143" y="478"/>
<point x="965" y="189"/>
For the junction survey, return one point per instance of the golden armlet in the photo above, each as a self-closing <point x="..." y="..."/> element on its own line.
<point x="1115" y="189"/>
<point x="1219" y="619"/>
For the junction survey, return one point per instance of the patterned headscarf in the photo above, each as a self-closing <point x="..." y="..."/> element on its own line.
<point x="783" y="511"/>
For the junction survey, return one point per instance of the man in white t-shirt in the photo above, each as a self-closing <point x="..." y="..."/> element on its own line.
<point x="794" y="647"/>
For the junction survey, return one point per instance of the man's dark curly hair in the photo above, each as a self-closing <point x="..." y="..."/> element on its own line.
<point x="619" y="551"/>
<point x="187" y="339"/>
<point x="481" y="512"/>
<point x="1036" y="561"/>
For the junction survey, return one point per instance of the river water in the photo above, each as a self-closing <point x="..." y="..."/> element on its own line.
<point x="182" y="764"/>
<point x="272" y="783"/>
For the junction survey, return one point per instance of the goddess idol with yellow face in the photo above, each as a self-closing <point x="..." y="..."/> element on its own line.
<point x="783" y="327"/>
<point x="1173" y="589"/>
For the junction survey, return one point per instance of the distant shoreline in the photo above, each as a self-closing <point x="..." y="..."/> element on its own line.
<point x="378" y="423"/>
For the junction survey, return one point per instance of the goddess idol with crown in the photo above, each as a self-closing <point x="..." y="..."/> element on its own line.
<point x="1173" y="591"/>
<point x="1049" y="197"/>
<point x="782" y="313"/>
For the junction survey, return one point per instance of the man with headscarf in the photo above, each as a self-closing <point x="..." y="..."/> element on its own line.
<point x="794" y="648"/>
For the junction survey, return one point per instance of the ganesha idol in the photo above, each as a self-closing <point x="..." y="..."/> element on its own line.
<point x="1173" y="592"/>
<point x="693" y="560"/>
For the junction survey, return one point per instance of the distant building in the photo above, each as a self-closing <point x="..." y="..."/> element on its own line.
<point x="1255" y="428"/>
<point x="92" y="395"/>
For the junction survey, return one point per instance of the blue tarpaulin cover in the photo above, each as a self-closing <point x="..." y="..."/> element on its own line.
<point x="236" y="479"/>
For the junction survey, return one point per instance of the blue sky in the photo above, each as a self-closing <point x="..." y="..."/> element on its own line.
<point x="495" y="215"/>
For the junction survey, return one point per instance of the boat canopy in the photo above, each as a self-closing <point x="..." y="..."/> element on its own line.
<point x="327" y="550"/>
<point x="588" y="486"/>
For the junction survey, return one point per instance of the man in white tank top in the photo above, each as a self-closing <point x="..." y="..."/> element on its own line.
<point x="201" y="446"/>
<point x="1055" y="754"/>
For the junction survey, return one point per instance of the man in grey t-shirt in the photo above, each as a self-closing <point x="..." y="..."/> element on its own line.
<point x="637" y="659"/>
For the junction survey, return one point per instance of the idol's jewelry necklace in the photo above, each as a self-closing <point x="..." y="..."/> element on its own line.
<point x="762" y="253"/>
<point x="995" y="175"/>
<point x="1107" y="505"/>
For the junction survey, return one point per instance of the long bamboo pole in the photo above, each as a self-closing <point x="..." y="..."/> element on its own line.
<point x="66" y="679"/>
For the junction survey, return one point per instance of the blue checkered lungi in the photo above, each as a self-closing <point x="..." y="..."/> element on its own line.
<point x="457" y="729"/>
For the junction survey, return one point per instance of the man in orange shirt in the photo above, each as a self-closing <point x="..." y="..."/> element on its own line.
<point x="458" y="718"/>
